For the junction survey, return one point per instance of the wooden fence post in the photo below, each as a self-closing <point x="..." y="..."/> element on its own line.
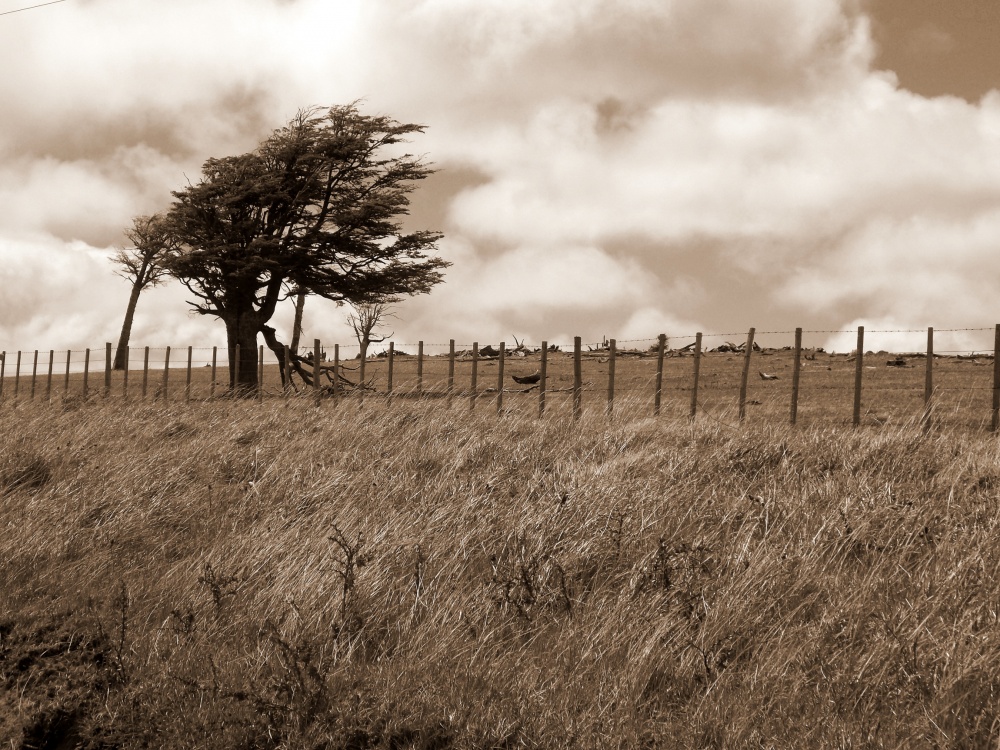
<point x="107" y="369"/>
<point x="928" y="381"/>
<point x="86" y="373"/>
<point x="145" y="371"/>
<point x="260" y="373"/>
<point x="3" y="366"/>
<point x="215" y="358"/>
<point x="187" y="377"/>
<point x="286" y="373"/>
<point x="745" y="376"/>
<point x="17" y="375"/>
<point x="995" y="422"/>
<point x="316" y="348"/>
<point x="388" y="377"/>
<point x="361" y="375"/>
<point x="577" y="377"/>
<point x="336" y="373"/>
<point x="235" y="374"/>
<point x="125" y="374"/>
<point x="612" y="356"/>
<point x="500" y="363"/>
<point x="420" y="368"/>
<point x="697" y="373"/>
<point x="48" y="379"/>
<point x="451" y="370"/>
<point x="34" y="375"/>
<point x="69" y="353"/>
<point x="475" y="375"/>
<point x="796" y="374"/>
<point x="166" y="374"/>
<point x="660" y="349"/>
<point x="542" y="378"/>
<point x="858" y="371"/>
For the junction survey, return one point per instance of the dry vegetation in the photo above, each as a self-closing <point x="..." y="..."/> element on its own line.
<point x="232" y="575"/>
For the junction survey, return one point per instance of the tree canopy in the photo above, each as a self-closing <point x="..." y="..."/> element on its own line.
<point x="315" y="207"/>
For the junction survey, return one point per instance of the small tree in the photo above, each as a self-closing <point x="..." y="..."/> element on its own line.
<point x="365" y="320"/>
<point x="140" y="264"/>
<point x="313" y="210"/>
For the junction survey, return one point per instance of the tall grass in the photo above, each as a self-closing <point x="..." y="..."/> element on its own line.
<point x="235" y="576"/>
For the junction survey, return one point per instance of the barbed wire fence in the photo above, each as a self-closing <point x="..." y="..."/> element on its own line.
<point x="685" y="376"/>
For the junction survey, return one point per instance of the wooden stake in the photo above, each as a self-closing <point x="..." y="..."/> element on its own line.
<point x="612" y="355"/>
<point x="69" y="354"/>
<point x="286" y="377"/>
<point x="17" y="376"/>
<point x="236" y="372"/>
<point x="361" y="377"/>
<point x="125" y="374"/>
<point x="451" y="370"/>
<point x="475" y="375"/>
<point x="48" y="379"/>
<point x="858" y="371"/>
<point x="107" y="369"/>
<point x="995" y="423"/>
<point x="34" y="375"/>
<point x="86" y="373"/>
<point x="215" y="361"/>
<point x="388" y="384"/>
<point x="260" y="374"/>
<point x="420" y="368"/>
<point x="543" y="377"/>
<point x="577" y="377"/>
<point x="660" y="350"/>
<point x="145" y="371"/>
<point x="928" y="381"/>
<point x="503" y="350"/>
<point x="796" y="373"/>
<point x="336" y="373"/>
<point x="3" y="366"/>
<point x="697" y="373"/>
<point x="316" y="349"/>
<point x="166" y="374"/>
<point x="745" y="377"/>
<point x="187" y="377"/>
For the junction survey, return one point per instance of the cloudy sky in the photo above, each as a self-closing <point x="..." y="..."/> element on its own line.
<point x="606" y="167"/>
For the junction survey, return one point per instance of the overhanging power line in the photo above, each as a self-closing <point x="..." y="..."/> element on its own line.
<point x="30" y="7"/>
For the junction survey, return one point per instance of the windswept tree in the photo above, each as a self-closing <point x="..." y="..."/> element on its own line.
<point x="365" y="320"/>
<point x="315" y="209"/>
<point x="142" y="265"/>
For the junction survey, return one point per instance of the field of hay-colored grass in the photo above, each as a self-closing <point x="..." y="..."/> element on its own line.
<point x="374" y="573"/>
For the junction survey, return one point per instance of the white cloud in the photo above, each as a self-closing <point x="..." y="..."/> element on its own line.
<point x="670" y="164"/>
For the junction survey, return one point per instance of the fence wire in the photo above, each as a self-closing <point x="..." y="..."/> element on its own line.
<point x="645" y="382"/>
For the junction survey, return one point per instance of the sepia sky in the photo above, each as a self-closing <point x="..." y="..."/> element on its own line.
<point x="612" y="168"/>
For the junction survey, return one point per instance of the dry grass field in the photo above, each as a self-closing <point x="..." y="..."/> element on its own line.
<point x="393" y="575"/>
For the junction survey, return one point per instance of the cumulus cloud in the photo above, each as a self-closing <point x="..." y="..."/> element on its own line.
<point x="609" y="167"/>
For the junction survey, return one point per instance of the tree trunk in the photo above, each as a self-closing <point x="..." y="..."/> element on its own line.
<point x="243" y="331"/>
<point x="300" y="303"/>
<point x="133" y="300"/>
